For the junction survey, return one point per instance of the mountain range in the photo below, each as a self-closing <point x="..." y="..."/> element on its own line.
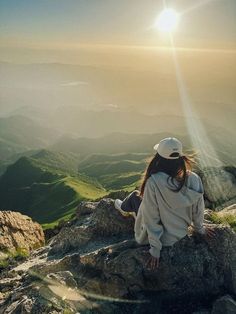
<point x="71" y="132"/>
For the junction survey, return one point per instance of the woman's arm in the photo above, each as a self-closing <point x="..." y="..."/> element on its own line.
<point x="198" y="216"/>
<point x="198" y="210"/>
<point x="151" y="218"/>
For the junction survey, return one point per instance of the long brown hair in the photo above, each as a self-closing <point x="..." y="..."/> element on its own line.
<point x="175" y="168"/>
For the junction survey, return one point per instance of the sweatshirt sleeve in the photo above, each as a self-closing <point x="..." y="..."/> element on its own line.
<point x="198" y="212"/>
<point x="151" y="218"/>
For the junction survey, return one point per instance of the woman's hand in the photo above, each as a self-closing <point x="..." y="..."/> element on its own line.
<point x="152" y="263"/>
<point x="209" y="232"/>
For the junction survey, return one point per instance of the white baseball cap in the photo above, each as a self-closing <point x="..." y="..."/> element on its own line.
<point x="168" y="146"/>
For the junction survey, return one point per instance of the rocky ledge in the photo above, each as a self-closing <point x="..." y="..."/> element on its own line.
<point x="93" y="265"/>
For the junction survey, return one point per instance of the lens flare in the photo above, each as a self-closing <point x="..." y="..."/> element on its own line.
<point x="197" y="132"/>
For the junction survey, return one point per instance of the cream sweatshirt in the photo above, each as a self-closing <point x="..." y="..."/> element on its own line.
<point x="164" y="216"/>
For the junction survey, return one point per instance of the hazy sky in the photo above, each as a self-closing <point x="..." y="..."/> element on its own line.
<point x="123" y="63"/>
<point x="65" y="24"/>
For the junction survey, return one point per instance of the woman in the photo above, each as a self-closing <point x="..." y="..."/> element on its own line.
<point x="170" y="200"/>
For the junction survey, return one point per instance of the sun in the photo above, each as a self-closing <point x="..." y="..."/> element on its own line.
<point x="167" y="20"/>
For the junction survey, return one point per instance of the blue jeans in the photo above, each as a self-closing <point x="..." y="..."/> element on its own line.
<point x="132" y="202"/>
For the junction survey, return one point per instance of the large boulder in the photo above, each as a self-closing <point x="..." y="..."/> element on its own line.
<point x="19" y="232"/>
<point x="219" y="185"/>
<point x="100" y="221"/>
<point x="194" y="266"/>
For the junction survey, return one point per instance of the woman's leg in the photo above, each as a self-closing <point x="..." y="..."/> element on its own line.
<point x="130" y="205"/>
<point x="132" y="202"/>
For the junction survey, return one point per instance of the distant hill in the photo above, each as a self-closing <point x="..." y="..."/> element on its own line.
<point x="39" y="188"/>
<point x="142" y="82"/>
<point x="90" y="123"/>
<point x="113" y="143"/>
<point x="14" y="157"/>
<point x="18" y="134"/>
<point x="65" y="162"/>
<point x="117" y="143"/>
<point x="116" y="171"/>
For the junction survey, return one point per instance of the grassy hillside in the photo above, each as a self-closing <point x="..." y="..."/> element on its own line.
<point x="115" y="171"/>
<point x="62" y="162"/>
<point x="48" y="187"/>
<point x="39" y="189"/>
<point x="67" y="162"/>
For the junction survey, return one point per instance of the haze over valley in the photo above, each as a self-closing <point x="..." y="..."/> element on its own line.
<point x="79" y="117"/>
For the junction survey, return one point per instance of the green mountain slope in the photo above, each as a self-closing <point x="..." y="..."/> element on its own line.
<point x="115" y="171"/>
<point x="62" y="162"/>
<point x="43" y="192"/>
<point x="67" y="162"/>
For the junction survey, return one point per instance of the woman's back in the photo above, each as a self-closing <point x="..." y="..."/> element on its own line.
<point x="166" y="213"/>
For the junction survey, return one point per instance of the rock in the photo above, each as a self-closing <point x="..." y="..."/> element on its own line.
<point x="104" y="222"/>
<point x="20" y="306"/>
<point x="207" y="215"/>
<point x="193" y="269"/>
<point x="69" y="263"/>
<point x="118" y="194"/>
<point x="85" y="208"/>
<point x="19" y="231"/>
<point x="193" y="266"/>
<point x="224" y="305"/>
<point x="230" y="210"/>
<point x="64" y="278"/>
<point x="51" y="232"/>
<point x="70" y="238"/>
<point x="7" y="284"/>
<point x="108" y="221"/>
<point x="219" y="185"/>
<point x="96" y="258"/>
<point x="35" y="300"/>
<point x="44" y="291"/>
<point x="3" y="256"/>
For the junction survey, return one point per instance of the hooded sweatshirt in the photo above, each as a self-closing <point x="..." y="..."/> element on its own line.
<point x="164" y="215"/>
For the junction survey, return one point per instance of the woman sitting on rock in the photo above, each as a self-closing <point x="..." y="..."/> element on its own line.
<point x="170" y="200"/>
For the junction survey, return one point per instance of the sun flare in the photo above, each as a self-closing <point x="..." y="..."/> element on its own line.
<point x="167" y="20"/>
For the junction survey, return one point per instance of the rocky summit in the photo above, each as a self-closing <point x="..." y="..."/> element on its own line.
<point x="93" y="265"/>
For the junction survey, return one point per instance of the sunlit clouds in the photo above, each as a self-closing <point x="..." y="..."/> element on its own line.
<point x="74" y="83"/>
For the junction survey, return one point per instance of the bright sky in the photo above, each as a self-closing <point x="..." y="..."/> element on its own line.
<point x="51" y="23"/>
